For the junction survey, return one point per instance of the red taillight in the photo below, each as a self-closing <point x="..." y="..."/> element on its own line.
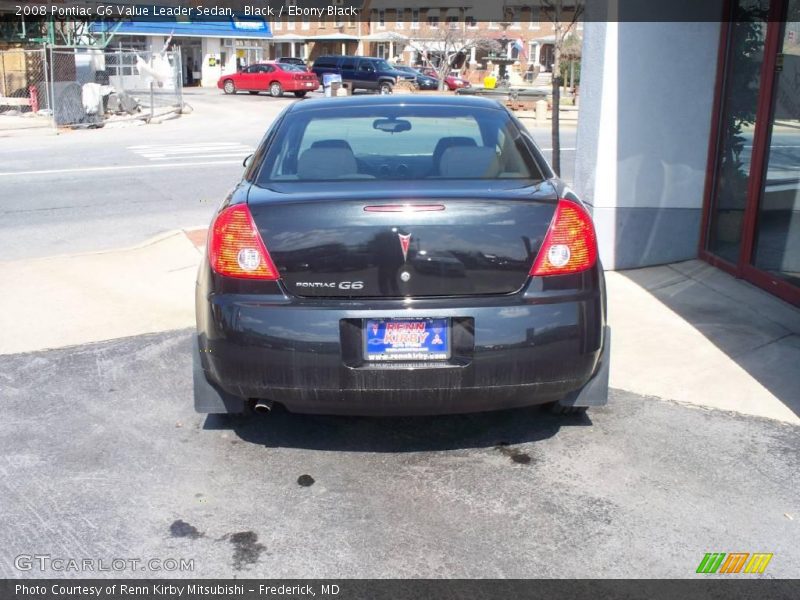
<point x="236" y="249"/>
<point x="570" y="245"/>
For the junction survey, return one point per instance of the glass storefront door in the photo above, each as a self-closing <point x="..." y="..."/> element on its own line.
<point x="739" y="106"/>
<point x="777" y="237"/>
<point x="752" y="220"/>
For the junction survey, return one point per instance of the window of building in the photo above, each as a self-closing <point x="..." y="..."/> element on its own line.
<point x="471" y="22"/>
<point x="123" y="61"/>
<point x="535" y="18"/>
<point x="452" y="22"/>
<point x="415" y="19"/>
<point x="433" y="21"/>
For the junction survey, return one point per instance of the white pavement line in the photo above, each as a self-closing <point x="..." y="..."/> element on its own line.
<point x="143" y="167"/>
<point x="147" y="146"/>
<point x="192" y="149"/>
<point x="228" y="155"/>
<point x="183" y="154"/>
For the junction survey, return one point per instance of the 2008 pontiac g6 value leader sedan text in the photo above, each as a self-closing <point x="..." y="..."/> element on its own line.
<point x="400" y="255"/>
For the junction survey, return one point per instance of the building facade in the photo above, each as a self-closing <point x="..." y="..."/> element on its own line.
<point x="689" y="141"/>
<point x="406" y="36"/>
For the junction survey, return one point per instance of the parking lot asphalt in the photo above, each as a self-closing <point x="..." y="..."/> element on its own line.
<point x="104" y="458"/>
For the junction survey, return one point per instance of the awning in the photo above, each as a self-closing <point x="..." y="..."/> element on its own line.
<point x="334" y="37"/>
<point x="235" y="27"/>
<point x="550" y="39"/>
<point x="289" y="37"/>
<point x="386" y="36"/>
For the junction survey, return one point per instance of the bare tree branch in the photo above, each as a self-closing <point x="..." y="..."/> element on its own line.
<point x="448" y="43"/>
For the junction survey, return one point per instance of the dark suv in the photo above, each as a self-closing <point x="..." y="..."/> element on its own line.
<point x="361" y="72"/>
<point x="291" y="60"/>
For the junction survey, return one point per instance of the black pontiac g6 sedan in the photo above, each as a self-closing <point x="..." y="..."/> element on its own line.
<point x="400" y="255"/>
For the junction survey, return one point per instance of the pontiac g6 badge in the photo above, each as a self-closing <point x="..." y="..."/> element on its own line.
<point x="405" y="241"/>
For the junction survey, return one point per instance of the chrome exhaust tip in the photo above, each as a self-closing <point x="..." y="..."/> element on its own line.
<point x="263" y="407"/>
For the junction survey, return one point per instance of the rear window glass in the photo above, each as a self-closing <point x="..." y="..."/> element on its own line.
<point x="397" y="142"/>
<point x="324" y="62"/>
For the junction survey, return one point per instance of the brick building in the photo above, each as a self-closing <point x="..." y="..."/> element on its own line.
<point x="414" y="36"/>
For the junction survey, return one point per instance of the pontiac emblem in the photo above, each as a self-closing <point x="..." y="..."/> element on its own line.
<point x="405" y="241"/>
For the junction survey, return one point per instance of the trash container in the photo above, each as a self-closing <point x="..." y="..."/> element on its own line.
<point x="489" y="82"/>
<point x="331" y="82"/>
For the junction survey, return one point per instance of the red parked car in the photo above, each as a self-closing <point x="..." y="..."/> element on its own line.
<point x="452" y="81"/>
<point x="275" y="78"/>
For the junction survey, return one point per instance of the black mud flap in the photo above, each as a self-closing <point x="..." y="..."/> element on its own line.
<point x="595" y="392"/>
<point x="208" y="398"/>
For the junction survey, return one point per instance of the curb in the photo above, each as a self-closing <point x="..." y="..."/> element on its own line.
<point x="148" y="242"/>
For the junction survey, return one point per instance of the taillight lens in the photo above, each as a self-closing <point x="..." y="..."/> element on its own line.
<point x="236" y="249"/>
<point x="570" y="245"/>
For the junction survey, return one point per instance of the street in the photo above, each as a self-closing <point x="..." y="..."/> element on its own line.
<point x="102" y="463"/>
<point x="97" y="189"/>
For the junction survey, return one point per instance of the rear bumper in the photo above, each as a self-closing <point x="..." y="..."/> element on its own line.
<point x="300" y="86"/>
<point x="508" y="351"/>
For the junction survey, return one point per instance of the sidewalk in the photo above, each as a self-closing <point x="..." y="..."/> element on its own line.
<point x="76" y="299"/>
<point x="685" y="332"/>
<point x="691" y="333"/>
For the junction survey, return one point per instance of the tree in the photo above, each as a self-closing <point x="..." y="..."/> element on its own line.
<point x="449" y="46"/>
<point x="563" y="14"/>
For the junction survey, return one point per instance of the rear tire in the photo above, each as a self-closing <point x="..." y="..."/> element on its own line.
<point x="300" y="94"/>
<point x="229" y="87"/>
<point x="275" y="89"/>
<point x="384" y="88"/>
<point x="558" y="409"/>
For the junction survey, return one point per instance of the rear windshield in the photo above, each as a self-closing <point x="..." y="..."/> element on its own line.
<point x="397" y="142"/>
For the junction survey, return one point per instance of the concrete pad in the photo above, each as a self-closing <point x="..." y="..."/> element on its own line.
<point x="777" y="367"/>
<point x="69" y="300"/>
<point x="758" y="300"/>
<point x="689" y="343"/>
<point x="731" y="325"/>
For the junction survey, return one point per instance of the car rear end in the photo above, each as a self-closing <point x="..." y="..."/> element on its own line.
<point x="364" y="297"/>
<point x="299" y="79"/>
<point x="456" y="82"/>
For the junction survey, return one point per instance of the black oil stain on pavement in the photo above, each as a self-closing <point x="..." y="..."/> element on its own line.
<point x="305" y="480"/>
<point x="517" y="456"/>
<point x="182" y="529"/>
<point x="246" y="549"/>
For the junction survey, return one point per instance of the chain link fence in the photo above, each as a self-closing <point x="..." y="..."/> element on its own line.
<point x="87" y="87"/>
<point x="92" y="87"/>
<point x="24" y="90"/>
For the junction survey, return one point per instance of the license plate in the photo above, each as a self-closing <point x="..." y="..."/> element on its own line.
<point x="309" y="84"/>
<point x="406" y="339"/>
